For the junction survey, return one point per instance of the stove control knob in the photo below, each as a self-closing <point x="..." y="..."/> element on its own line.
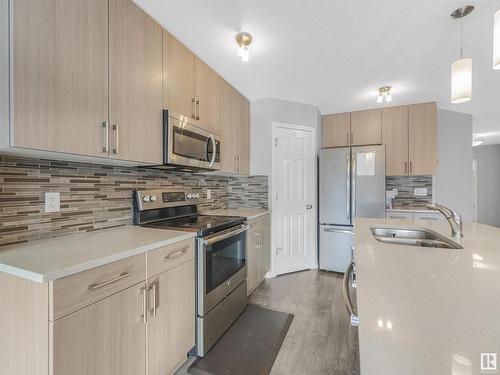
<point x="189" y="196"/>
<point x="153" y="198"/>
<point x="146" y="198"/>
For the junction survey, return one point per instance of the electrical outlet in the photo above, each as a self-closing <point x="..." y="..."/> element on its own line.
<point x="52" y="202"/>
<point x="209" y="194"/>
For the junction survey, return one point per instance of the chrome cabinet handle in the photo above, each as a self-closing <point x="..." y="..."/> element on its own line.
<point x="193" y="108"/>
<point x="352" y="139"/>
<point x="259" y="235"/>
<point x="177" y="254"/>
<point x="154" y="289"/>
<point x="116" y="149"/>
<point x="197" y="110"/>
<point x="144" y="316"/>
<point x="411" y="167"/>
<point x="238" y="158"/>
<point x="347" y="296"/>
<point x="96" y="286"/>
<point x="309" y="206"/>
<point x="353" y="196"/>
<point x="105" y="148"/>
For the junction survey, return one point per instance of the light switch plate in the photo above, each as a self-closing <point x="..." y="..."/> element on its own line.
<point x="209" y="194"/>
<point x="420" y="192"/>
<point x="52" y="202"/>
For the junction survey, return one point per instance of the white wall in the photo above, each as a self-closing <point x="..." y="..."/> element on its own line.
<point x="266" y="111"/>
<point x="452" y="183"/>
<point x="488" y="184"/>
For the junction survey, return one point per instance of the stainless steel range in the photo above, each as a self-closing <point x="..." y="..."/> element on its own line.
<point x="221" y="257"/>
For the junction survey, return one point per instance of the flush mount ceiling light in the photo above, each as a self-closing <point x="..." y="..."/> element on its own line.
<point x="384" y="92"/>
<point x="496" y="41"/>
<point x="461" y="70"/>
<point x="243" y="39"/>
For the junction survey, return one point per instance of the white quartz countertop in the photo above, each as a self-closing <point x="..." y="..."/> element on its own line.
<point x="248" y="213"/>
<point x="51" y="259"/>
<point x="427" y="310"/>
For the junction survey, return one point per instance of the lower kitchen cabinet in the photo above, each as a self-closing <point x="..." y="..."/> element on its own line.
<point x="171" y="317"/>
<point x="108" y="320"/>
<point x="106" y="338"/>
<point x="258" y="251"/>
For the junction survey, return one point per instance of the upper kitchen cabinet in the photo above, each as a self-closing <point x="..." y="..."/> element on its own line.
<point x="135" y="84"/>
<point x="207" y="90"/>
<point x="235" y="122"/>
<point x="395" y="139"/>
<point x="60" y="76"/>
<point x="366" y="127"/>
<point x="422" y="130"/>
<point x="178" y="75"/>
<point x="336" y="130"/>
<point x="244" y="136"/>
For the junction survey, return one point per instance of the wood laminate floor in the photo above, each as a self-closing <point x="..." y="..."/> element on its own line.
<point x="320" y="340"/>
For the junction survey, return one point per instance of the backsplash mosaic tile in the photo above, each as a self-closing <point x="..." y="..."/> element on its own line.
<point x="93" y="196"/>
<point x="248" y="192"/>
<point x="406" y="186"/>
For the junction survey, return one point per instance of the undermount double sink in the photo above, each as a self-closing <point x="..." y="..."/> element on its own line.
<point x="413" y="237"/>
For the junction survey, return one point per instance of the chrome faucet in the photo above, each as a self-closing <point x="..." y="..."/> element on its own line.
<point x="453" y="217"/>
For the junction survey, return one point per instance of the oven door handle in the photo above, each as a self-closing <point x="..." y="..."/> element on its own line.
<point x="219" y="237"/>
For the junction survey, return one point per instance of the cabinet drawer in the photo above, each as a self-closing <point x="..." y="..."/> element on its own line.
<point x="168" y="257"/>
<point x="74" y="292"/>
<point x="399" y="215"/>
<point x="429" y="216"/>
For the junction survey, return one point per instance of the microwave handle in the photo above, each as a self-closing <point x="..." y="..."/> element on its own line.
<point x="214" y="152"/>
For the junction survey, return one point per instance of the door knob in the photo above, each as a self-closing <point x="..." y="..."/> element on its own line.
<point x="309" y="206"/>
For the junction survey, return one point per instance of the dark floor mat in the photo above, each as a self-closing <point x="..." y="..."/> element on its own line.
<point x="250" y="345"/>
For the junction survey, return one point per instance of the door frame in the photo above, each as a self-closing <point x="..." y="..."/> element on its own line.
<point x="313" y="263"/>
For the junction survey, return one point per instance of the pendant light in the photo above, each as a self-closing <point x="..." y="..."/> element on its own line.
<point x="496" y="41"/>
<point x="461" y="70"/>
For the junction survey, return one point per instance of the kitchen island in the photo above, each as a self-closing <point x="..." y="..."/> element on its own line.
<point x="429" y="311"/>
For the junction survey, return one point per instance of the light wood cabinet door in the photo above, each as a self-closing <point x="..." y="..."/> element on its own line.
<point x="207" y="93"/>
<point x="135" y="84"/>
<point x="244" y="136"/>
<point x="230" y="118"/>
<point x="106" y="338"/>
<point x="171" y="333"/>
<point x="60" y="75"/>
<point x="178" y="76"/>
<point x="252" y="261"/>
<point x="336" y="130"/>
<point x="395" y="139"/>
<point x="422" y="128"/>
<point x="366" y="127"/>
<point x="266" y="249"/>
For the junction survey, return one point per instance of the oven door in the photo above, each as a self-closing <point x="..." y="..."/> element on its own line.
<point x="189" y="146"/>
<point x="221" y="266"/>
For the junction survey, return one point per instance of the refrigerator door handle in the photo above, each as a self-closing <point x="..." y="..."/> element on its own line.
<point x="347" y="231"/>
<point x="348" y="192"/>
<point x="353" y="195"/>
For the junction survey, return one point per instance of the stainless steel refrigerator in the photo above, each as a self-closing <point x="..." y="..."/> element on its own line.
<point x="351" y="184"/>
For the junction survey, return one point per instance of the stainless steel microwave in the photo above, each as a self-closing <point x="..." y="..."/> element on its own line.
<point x="187" y="146"/>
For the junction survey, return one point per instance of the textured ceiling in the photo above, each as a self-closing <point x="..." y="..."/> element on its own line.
<point x="335" y="54"/>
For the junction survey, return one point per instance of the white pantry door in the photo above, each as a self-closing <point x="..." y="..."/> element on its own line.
<point x="292" y="207"/>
